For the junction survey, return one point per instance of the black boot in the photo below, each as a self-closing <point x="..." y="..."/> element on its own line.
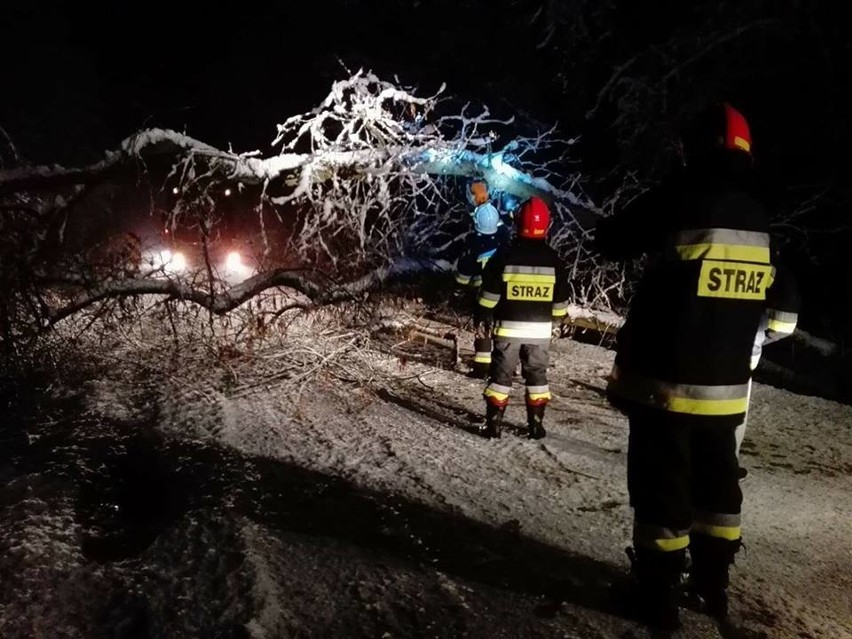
<point x="535" y="417"/>
<point x="493" y="420"/>
<point x="652" y="596"/>
<point x="708" y="579"/>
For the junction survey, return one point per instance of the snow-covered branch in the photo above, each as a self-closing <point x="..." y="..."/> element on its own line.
<point x="370" y="181"/>
<point x="224" y="301"/>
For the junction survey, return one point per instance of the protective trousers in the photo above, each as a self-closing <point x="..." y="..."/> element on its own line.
<point x="534" y="359"/>
<point x="682" y="476"/>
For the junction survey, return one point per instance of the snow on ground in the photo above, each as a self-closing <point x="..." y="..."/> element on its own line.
<point x="161" y="506"/>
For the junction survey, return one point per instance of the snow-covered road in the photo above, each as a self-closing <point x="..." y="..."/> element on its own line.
<point x="154" y="509"/>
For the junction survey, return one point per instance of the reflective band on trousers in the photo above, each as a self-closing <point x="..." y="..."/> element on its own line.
<point x="719" y="525"/>
<point x="691" y="399"/>
<point x="497" y="393"/>
<point x="482" y="357"/>
<point x="535" y="330"/>
<point x="538" y="394"/>
<point x="722" y="244"/>
<point x="659" y="537"/>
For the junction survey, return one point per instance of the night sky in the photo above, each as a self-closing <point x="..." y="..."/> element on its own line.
<point x="79" y="77"/>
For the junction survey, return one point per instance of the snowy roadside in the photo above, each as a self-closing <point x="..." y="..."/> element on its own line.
<point x="374" y="511"/>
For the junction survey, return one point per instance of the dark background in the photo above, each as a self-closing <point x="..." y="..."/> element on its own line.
<point x="78" y="77"/>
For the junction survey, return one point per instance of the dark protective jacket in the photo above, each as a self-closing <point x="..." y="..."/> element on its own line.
<point x="523" y="288"/>
<point x="687" y="342"/>
<point x="477" y="251"/>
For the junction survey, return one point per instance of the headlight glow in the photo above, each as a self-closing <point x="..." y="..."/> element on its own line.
<point x="178" y="262"/>
<point x="233" y="262"/>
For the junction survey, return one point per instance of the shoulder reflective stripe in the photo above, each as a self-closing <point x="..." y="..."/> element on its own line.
<point x="734" y="280"/>
<point x="462" y="279"/>
<point x="721" y="236"/>
<point x="722" y="244"/>
<point x="529" y="278"/>
<point x="728" y="252"/>
<point x="530" y="270"/>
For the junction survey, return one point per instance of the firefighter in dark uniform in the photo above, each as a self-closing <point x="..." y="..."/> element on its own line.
<point x="523" y="289"/>
<point x="481" y="246"/>
<point x="682" y="367"/>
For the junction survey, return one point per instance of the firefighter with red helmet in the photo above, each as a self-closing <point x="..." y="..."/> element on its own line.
<point x="523" y="289"/>
<point x="682" y="368"/>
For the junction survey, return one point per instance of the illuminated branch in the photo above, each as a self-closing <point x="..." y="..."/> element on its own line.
<point x="234" y="296"/>
<point x="367" y="182"/>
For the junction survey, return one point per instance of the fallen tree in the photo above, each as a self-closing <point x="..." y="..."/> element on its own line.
<point x="364" y="188"/>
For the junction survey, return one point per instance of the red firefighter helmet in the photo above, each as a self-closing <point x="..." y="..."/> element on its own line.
<point x="737" y="134"/>
<point x="719" y="126"/>
<point x="534" y="219"/>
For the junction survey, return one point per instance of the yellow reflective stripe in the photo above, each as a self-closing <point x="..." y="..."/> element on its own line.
<point x="693" y="399"/>
<point x="529" y="278"/>
<point x="560" y="312"/>
<point x="781" y="327"/>
<point x="728" y="252"/>
<point x="482" y="359"/>
<point x="535" y="396"/>
<point x="462" y="279"/>
<point x="692" y="406"/>
<point x="533" y="331"/>
<point x="490" y="392"/>
<point x="488" y="303"/>
<point x="670" y="545"/>
<point x="731" y="533"/>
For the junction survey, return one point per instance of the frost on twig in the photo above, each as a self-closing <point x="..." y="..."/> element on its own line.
<point x="368" y="179"/>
